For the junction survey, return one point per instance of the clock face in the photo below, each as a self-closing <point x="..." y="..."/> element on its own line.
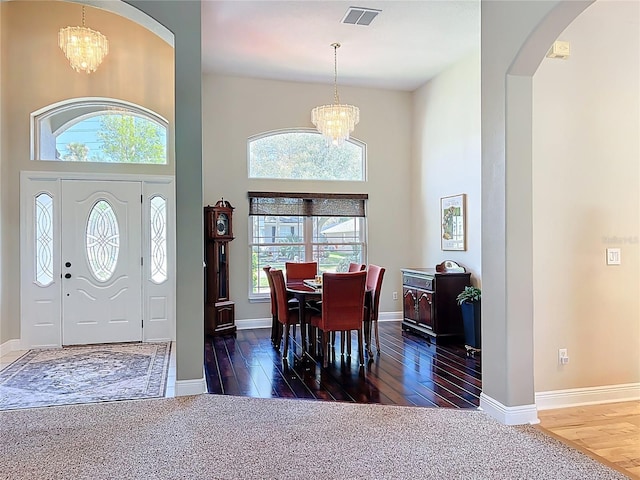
<point x="222" y="224"/>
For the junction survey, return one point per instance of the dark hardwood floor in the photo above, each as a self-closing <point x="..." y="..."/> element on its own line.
<point x="409" y="371"/>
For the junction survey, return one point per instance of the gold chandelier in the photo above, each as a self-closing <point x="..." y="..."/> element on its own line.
<point x="335" y="121"/>
<point x="85" y="48"/>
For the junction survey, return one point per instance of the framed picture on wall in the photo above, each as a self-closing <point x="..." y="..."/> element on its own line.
<point x="452" y="222"/>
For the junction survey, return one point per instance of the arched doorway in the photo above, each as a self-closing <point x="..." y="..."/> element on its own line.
<point x="510" y="54"/>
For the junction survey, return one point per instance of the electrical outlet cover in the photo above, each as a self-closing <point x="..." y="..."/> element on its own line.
<point x="613" y="256"/>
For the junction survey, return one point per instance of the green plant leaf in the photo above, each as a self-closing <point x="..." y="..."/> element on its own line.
<point x="469" y="294"/>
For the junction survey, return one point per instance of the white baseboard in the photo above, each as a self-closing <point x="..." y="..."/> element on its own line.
<point x="249" y="323"/>
<point x="519" y="415"/>
<point x="190" y="387"/>
<point x="10" y="346"/>
<point x="587" y="396"/>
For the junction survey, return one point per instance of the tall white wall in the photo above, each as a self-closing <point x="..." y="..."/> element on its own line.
<point x="446" y="161"/>
<point x="235" y="108"/>
<point x="586" y="198"/>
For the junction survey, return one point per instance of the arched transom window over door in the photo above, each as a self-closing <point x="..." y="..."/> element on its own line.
<point x="99" y="130"/>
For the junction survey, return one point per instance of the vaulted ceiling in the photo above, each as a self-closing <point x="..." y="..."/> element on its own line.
<point x="406" y="44"/>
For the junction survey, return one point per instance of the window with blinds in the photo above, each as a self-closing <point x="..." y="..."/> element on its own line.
<point x="327" y="228"/>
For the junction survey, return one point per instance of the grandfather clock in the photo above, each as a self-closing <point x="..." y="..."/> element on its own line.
<point x="218" y="309"/>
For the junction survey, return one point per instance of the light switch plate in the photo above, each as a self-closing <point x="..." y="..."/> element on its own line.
<point x="613" y="256"/>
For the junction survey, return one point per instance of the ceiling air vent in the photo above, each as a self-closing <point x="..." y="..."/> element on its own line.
<point x="360" y="16"/>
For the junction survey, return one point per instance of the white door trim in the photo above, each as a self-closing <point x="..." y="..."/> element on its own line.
<point x="40" y="314"/>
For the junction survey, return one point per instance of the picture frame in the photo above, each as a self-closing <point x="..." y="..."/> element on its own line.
<point x="453" y="222"/>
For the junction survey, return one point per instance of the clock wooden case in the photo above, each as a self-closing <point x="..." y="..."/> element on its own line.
<point x="219" y="310"/>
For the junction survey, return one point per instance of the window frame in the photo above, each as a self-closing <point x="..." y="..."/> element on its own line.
<point x="351" y="140"/>
<point x="86" y="107"/>
<point x="306" y="217"/>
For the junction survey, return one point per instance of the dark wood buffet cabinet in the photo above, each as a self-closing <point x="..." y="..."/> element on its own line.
<point x="429" y="302"/>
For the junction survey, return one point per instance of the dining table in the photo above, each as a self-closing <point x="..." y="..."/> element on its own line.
<point x="308" y="291"/>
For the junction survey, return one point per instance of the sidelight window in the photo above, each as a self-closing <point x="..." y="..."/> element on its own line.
<point x="44" y="239"/>
<point x="158" y="219"/>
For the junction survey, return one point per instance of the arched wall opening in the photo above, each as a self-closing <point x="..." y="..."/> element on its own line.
<point x="585" y="180"/>
<point x="511" y="52"/>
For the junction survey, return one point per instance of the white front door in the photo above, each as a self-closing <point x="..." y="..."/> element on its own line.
<point x="101" y="262"/>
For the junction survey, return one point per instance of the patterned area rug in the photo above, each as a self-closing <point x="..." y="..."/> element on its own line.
<point x="85" y="374"/>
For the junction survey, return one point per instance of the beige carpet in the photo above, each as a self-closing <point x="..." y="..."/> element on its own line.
<point x="224" y="437"/>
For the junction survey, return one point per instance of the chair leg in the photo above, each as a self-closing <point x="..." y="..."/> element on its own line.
<point x="342" y="340"/>
<point x="325" y="349"/>
<point x="377" y="337"/>
<point x="360" y="347"/>
<point x="293" y="337"/>
<point x="279" y="333"/>
<point x="347" y="333"/>
<point x="274" y="329"/>
<point x="313" y="340"/>
<point x="286" y="341"/>
<point x="333" y="338"/>
<point x="367" y="331"/>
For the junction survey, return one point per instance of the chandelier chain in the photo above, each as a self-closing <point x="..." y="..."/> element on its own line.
<point x="336" y="98"/>
<point x="83" y="16"/>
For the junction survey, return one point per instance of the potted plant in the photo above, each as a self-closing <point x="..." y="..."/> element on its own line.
<point x="469" y="301"/>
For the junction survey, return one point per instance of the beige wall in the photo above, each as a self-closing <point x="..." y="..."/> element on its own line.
<point x="3" y="42"/>
<point x="586" y="179"/>
<point x="138" y="69"/>
<point x="446" y="161"/>
<point x="236" y="108"/>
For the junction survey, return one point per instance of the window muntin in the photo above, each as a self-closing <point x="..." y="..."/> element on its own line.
<point x="304" y="155"/>
<point x="331" y="241"/>
<point x="44" y="239"/>
<point x="99" y="130"/>
<point x="102" y="241"/>
<point x="326" y="227"/>
<point x="158" y="237"/>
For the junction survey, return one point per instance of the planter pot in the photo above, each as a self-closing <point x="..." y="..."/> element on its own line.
<point x="471" y="323"/>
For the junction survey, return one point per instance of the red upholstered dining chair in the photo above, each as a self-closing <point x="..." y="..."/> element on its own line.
<point x="342" y="308"/>
<point x="353" y="267"/>
<point x="374" y="285"/>
<point x="286" y="315"/>
<point x="356" y="267"/>
<point x="276" y="329"/>
<point x="299" y="271"/>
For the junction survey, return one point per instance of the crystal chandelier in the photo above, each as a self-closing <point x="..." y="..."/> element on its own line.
<point x="335" y="121"/>
<point x="85" y="48"/>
